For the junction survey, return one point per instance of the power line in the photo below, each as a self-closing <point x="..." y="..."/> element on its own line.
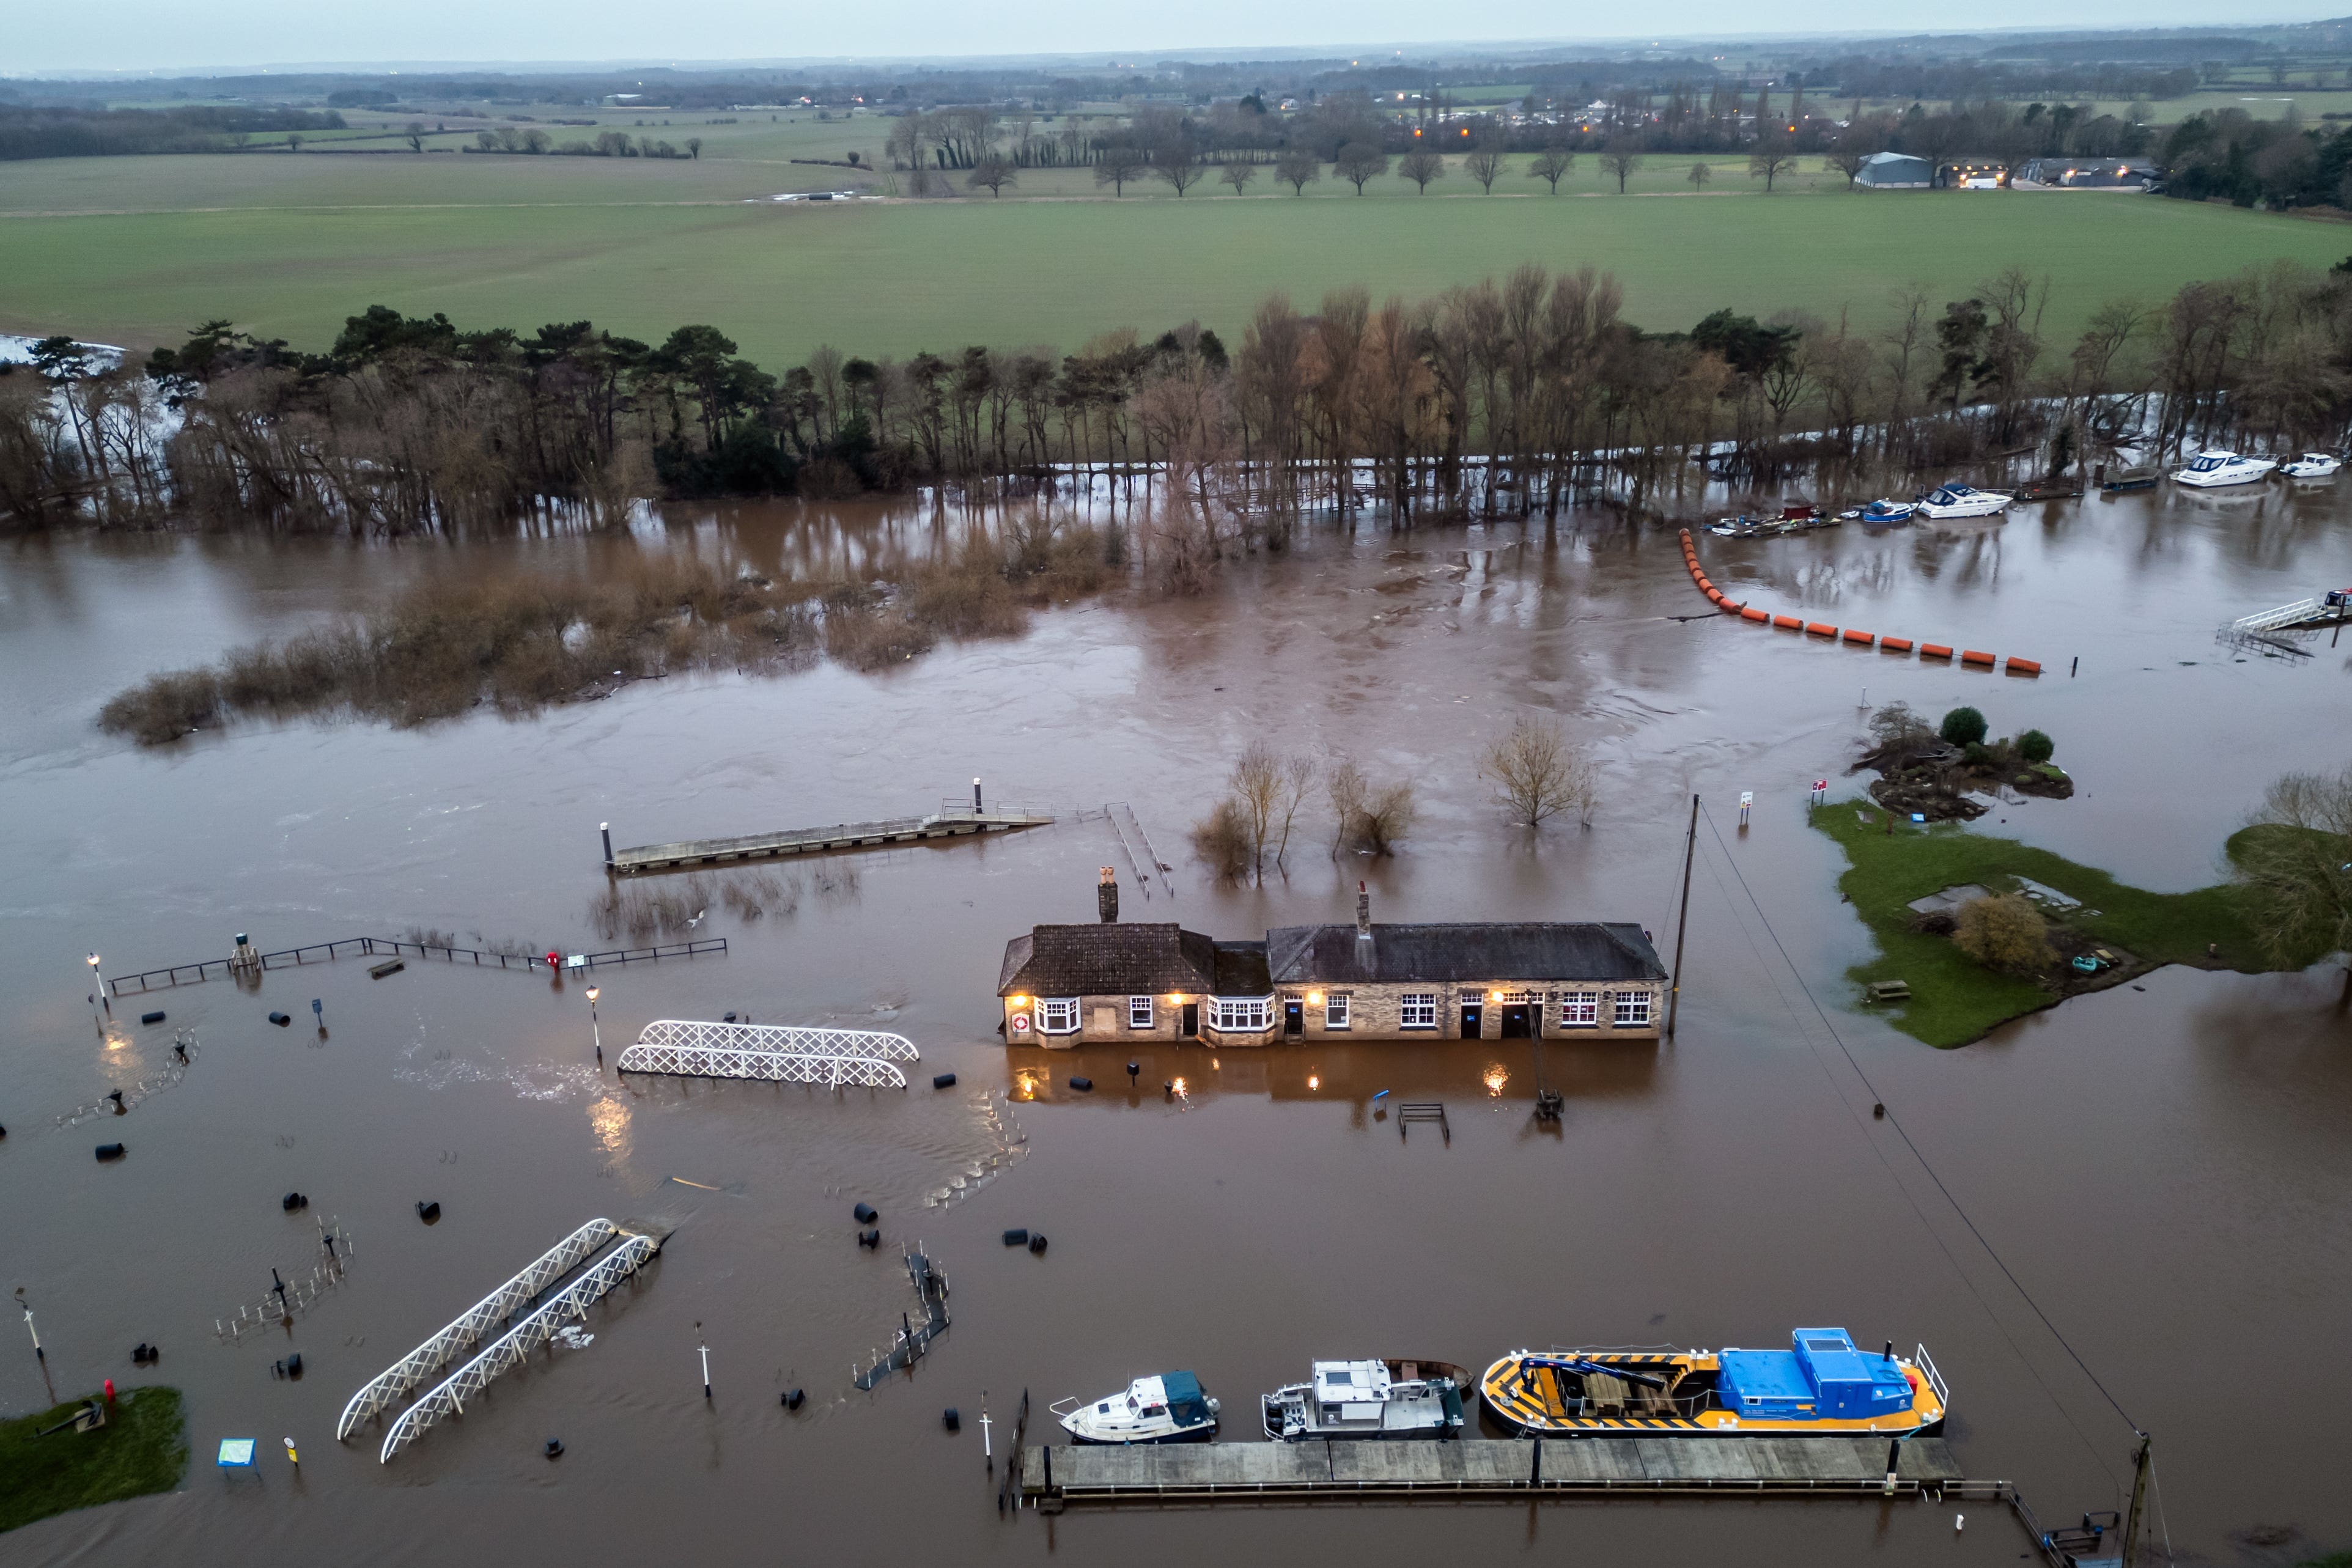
<point x="1896" y="1123"/>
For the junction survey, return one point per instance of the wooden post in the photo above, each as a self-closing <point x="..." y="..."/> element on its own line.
<point x="1681" y="923"/>
<point x="2139" y="1493"/>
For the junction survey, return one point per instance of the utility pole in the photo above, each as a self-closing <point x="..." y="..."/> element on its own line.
<point x="2139" y="1494"/>
<point x="1682" y="922"/>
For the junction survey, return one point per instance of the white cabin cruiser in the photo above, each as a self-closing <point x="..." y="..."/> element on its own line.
<point x="2210" y="470"/>
<point x="2312" y="465"/>
<point x="1962" y="501"/>
<point x="1368" y="1399"/>
<point x="1168" y="1408"/>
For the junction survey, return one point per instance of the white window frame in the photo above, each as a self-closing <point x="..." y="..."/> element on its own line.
<point x="1057" y="1015"/>
<point x="1241" y="1014"/>
<point x="1417" y="1009"/>
<point x="1140" y="1013"/>
<point x="1628" y="1004"/>
<point x="1334" y="1010"/>
<point x="1579" y="1010"/>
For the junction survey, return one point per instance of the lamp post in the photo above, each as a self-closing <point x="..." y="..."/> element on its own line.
<point x="594" y="1028"/>
<point x="100" y="993"/>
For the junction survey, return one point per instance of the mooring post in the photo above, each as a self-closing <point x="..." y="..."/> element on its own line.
<point x="606" y="828"/>
<point x="976" y="808"/>
<point x="1893" y="1453"/>
<point x="1535" y="1462"/>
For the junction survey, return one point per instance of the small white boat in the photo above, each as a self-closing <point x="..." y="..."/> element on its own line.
<point x="1168" y="1408"/>
<point x="1962" y="501"/>
<point x="2211" y="470"/>
<point x="1368" y="1399"/>
<point x="2312" y="465"/>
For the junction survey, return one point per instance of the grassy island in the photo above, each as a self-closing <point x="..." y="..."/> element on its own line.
<point x="1954" y="997"/>
<point x="143" y="1448"/>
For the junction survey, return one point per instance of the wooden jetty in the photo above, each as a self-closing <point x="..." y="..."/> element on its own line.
<point x="953" y="821"/>
<point x="1482" y="1469"/>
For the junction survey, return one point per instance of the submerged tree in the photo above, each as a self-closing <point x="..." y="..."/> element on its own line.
<point x="1538" y="774"/>
<point x="2295" y="861"/>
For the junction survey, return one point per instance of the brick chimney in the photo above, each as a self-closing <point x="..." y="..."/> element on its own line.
<point x="1107" y="896"/>
<point x="1363" y="913"/>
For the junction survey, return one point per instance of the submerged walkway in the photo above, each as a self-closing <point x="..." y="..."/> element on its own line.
<point x="1745" y="1467"/>
<point x="953" y="822"/>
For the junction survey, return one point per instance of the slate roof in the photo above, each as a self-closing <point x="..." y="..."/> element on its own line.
<point x="1241" y="969"/>
<point x="1114" y="960"/>
<point x="1476" y="951"/>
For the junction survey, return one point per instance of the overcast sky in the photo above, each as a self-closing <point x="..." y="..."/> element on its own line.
<point x="51" y="36"/>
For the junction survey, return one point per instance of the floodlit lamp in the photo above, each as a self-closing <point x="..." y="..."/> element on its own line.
<point x="1494" y="996"/>
<point x="593" y="992"/>
<point x="94" y="960"/>
<point x="1315" y="999"/>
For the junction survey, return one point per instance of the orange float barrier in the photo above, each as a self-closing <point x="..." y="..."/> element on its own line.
<point x="1817" y="629"/>
<point x="1895" y="644"/>
<point x="2017" y="666"/>
<point x="1732" y="607"/>
<point x="1712" y="597"/>
<point x="1974" y="656"/>
<point x="1933" y="651"/>
<point x="1864" y="638"/>
<point x="1747" y="613"/>
<point x="1788" y="624"/>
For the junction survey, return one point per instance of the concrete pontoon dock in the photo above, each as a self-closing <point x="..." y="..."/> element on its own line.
<point x="955" y="821"/>
<point x="1743" y="1466"/>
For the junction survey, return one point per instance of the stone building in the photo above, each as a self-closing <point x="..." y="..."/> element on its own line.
<point x="1069" y="984"/>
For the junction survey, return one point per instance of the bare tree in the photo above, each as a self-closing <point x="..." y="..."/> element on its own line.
<point x="1698" y="177"/>
<point x="992" y="173"/>
<point x="694" y="148"/>
<point x="1298" y="168"/>
<point x="1551" y="165"/>
<point x="1486" y="167"/>
<point x="1621" y="162"/>
<point x="1298" y="775"/>
<point x="1117" y="166"/>
<point x="1258" y="788"/>
<point x="2295" y="861"/>
<point x="1770" y="159"/>
<point x="1420" y="166"/>
<point x="1359" y="162"/>
<point x="1239" y="176"/>
<point x="414" y="134"/>
<point x="1177" y="165"/>
<point x="1347" y="788"/>
<point x="1364" y="819"/>
<point x="1538" y="774"/>
<point x="1221" y="840"/>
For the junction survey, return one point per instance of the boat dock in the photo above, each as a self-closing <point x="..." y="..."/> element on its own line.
<point x="954" y="819"/>
<point x="1475" y="1469"/>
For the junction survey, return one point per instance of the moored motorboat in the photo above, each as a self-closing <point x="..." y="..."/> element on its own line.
<point x="1821" y="1385"/>
<point x="2212" y="470"/>
<point x="1167" y="1408"/>
<point x="1962" y="501"/>
<point x="2312" y="465"/>
<point x="1888" y="511"/>
<point x="1368" y="1399"/>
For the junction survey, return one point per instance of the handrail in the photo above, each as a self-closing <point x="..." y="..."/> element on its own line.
<point x="400" y="947"/>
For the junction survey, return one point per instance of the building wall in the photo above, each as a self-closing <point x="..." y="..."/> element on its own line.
<point x="1374" y="1013"/>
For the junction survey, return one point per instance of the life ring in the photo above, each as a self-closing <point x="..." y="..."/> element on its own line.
<point x="1021" y="1023"/>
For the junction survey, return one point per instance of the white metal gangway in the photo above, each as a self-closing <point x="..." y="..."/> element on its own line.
<point x="448" y="1396"/>
<point x="2294" y="614"/>
<point x="773" y="1054"/>
<point x="390" y="1386"/>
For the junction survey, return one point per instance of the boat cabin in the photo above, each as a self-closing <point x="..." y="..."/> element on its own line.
<point x="1821" y="1377"/>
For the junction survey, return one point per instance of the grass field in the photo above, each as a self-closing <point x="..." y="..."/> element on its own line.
<point x="1954" y="1000"/>
<point x="138" y="250"/>
<point x="142" y="1449"/>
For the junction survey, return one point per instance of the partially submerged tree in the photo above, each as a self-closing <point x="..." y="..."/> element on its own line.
<point x="1538" y="774"/>
<point x="2003" y="932"/>
<point x="2295" y="861"/>
<point x="1365" y="819"/>
<point x="1221" y="841"/>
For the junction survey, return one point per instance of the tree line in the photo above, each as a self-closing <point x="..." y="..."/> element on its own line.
<point x="67" y="131"/>
<point x="1509" y="396"/>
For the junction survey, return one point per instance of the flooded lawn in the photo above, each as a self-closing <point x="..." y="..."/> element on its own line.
<point x="2166" y="1169"/>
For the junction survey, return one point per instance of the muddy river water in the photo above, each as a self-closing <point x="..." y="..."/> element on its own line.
<point x="2166" y="1169"/>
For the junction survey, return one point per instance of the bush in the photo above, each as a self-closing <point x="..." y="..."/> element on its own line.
<point x="2035" y="747"/>
<point x="1976" y="754"/>
<point x="1963" y="726"/>
<point x="2003" y="932"/>
<point x="1222" y="840"/>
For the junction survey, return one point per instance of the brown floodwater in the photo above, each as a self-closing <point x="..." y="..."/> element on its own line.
<point x="2165" y="1168"/>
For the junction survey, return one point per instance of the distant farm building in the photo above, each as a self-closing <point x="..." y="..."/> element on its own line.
<point x="1894" y="172"/>
<point x="2081" y="174"/>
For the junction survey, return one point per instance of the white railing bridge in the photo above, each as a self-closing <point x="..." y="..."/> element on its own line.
<point x="773" y="1054"/>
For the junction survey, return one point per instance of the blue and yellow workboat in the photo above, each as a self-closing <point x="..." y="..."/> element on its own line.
<point x="1821" y="1386"/>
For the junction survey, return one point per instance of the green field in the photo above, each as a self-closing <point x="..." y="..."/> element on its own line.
<point x="138" y="250"/>
<point x="143" y="1448"/>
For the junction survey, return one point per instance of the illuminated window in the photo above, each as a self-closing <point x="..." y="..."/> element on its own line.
<point x="1579" y="1010"/>
<point x="1241" y="1014"/>
<point x="1335" y="1010"/>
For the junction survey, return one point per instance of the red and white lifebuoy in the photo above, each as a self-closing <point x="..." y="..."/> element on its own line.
<point x="1021" y="1023"/>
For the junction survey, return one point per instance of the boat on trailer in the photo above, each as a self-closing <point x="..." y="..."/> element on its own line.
<point x="1388" y="1399"/>
<point x="1167" y="1408"/>
<point x="1820" y="1386"/>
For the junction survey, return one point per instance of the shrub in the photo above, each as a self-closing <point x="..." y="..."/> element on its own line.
<point x="2003" y="932"/>
<point x="1976" y="754"/>
<point x="1222" y="840"/>
<point x="1963" y="726"/>
<point x="2035" y="747"/>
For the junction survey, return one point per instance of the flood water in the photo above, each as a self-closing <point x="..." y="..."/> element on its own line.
<point x="2164" y="1168"/>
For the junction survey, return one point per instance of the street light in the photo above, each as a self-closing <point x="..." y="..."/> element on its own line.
<point x="100" y="995"/>
<point x="594" y="1028"/>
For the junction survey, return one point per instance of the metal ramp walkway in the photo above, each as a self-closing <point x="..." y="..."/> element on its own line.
<point x="837" y="1058"/>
